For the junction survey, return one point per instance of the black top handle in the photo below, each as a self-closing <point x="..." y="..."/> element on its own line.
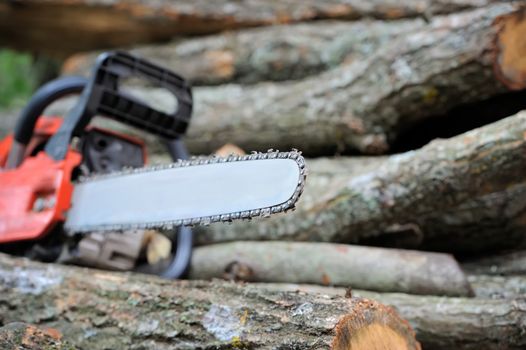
<point x="103" y="96"/>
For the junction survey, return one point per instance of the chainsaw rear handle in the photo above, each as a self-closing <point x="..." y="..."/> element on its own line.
<point x="46" y="95"/>
<point x="103" y="96"/>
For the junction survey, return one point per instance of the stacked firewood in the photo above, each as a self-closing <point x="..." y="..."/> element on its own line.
<point x="410" y="114"/>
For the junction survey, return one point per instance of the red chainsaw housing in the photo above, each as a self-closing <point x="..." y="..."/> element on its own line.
<point x="35" y="197"/>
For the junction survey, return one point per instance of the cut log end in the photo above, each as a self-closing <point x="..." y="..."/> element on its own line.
<point x="510" y="60"/>
<point x="373" y="326"/>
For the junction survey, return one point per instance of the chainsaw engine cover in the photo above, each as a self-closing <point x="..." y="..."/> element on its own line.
<point x="31" y="205"/>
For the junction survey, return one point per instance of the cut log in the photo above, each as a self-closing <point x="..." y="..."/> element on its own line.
<point x="469" y="323"/>
<point x="364" y="105"/>
<point x="489" y="223"/>
<point x="445" y="323"/>
<point x="452" y="183"/>
<point x="18" y="336"/>
<point x="62" y="27"/>
<point x="498" y="287"/>
<point x="103" y="310"/>
<point x="509" y="263"/>
<point x="271" y="53"/>
<point x="483" y="287"/>
<point x="383" y="270"/>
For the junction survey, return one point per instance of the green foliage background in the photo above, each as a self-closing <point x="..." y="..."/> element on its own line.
<point x="16" y="78"/>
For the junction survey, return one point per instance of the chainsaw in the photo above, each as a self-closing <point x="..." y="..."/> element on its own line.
<point x="72" y="191"/>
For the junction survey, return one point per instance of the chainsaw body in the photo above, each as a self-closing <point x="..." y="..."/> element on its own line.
<point x="32" y="206"/>
<point x="40" y="161"/>
<point x="71" y="192"/>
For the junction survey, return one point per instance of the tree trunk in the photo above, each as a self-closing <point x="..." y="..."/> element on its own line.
<point x="412" y="199"/>
<point x="122" y="311"/>
<point x="62" y="27"/>
<point x="445" y="323"/>
<point x="364" y="105"/>
<point x="383" y="270"/>
<point x="278" y="53"/>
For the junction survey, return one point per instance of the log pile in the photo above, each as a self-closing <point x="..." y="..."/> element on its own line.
<point x="122" y="311"/>
<point x="84" y="25"/>
<point x="110" y="310"/>
<point x="413" y="76"/>
<point x="435" y="235"/>
<point x="476" y="175"/>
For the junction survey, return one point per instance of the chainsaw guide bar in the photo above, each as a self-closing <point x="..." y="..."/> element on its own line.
<point x="267" y="183"/>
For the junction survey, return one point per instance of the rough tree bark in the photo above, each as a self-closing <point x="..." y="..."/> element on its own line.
<point x="47" y="25"/>
<point x="470" y="323"/>
<point x="363" y="105"/>
<point x="498" y="287"/>
<point x="125" y="311"/>
<point x="484" y="224"/>
<point x="377" y="269"/>
<point x="21" y="336"/>
<point x="450" y="182"/>
<point x="271" y="53"/>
